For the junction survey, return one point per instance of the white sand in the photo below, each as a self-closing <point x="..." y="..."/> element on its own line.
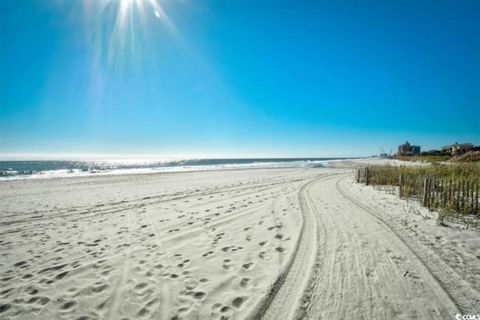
<point x="270" y="243"/>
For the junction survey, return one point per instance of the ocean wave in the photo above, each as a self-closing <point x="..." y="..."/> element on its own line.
<point x="14" y="170"/>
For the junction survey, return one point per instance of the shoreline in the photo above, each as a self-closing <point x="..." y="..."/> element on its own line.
<point x="149" y="173"/>
<point x="225" y="165"/>
<point x="294" y="163"/>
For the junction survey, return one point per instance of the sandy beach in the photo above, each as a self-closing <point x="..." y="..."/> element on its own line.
<point x="239" y="160"/>
<point x="281" y="243"/>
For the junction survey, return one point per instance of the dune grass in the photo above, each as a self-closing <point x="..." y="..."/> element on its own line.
<point x="449" y="188"/>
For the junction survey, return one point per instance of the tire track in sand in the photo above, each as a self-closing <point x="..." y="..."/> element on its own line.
<point x="365" y="271"/>
<point x="282" y="301"/>
<point x="459" y="292"/>
<point x="350" y="264"/>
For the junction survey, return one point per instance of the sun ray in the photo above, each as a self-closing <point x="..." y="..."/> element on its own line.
<point x="115" y="27"/>
<point x="122" y="36"/>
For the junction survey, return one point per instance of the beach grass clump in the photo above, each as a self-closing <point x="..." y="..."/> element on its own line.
<point x="449" y="188"/>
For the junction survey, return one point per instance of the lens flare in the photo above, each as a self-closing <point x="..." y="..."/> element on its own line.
<point x="126" y="35"/>
<point x="119" y="28"/>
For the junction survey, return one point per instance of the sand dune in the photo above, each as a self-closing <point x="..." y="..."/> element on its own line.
<point x="264" y="243"/>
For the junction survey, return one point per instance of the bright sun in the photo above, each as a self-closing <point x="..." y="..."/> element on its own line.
<point x="121" y="28"/>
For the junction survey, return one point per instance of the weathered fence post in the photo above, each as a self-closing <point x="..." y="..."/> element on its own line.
<point x="471" y="197"/>
<point x="400" y="184"/>
<point x="425" y="191"/>
<point x="366" y="176"/>
<point x="476" y="197"/>
<point x="450" y="190"/>
<point x="458" y="195"/>
<point x="431" y="192"/>
<point x="444" y="196"/>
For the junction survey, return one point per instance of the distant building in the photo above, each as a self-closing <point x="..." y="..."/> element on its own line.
<point x="407" y="149"/>
<point x="415" y="149"/>
<point x="458" y="148"/>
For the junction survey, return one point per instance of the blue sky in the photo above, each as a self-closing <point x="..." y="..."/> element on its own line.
<point x="237" y="78"/>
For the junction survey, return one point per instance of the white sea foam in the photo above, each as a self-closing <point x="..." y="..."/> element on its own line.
<point x="117" y="167"/>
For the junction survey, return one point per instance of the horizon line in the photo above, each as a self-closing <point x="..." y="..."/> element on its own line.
<point x="85" y="157"/>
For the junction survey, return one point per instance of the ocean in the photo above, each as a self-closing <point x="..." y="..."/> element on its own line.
<point x="11" y="170"/>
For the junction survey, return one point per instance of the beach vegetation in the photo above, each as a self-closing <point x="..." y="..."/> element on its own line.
<point x="452" y="189"/>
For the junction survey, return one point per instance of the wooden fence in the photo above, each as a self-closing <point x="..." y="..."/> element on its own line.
<point x="459" y="195"/>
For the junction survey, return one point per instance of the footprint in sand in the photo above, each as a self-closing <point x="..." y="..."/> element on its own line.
<point x="20" y="264"/>
<point x="61" y="275"/>
<point x="225" y="309"/>
<point x="248" y="266"/>
<point x="31" y="290"/>
<point x="238" y="301"/>
<point x="397" y="258"/>
<point x="206" y="254"/>
<point x="199" y="295"/>
<point x="180" y="311"/>
<point x="244" y="282"/>
<point x="227" y="264"/>
<point x="4" y="307"/>
<point x="280" y="249"/>
<point x="68" y="305"/>
<point x="139" y="287"/>
<point x="183" y="263"/>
